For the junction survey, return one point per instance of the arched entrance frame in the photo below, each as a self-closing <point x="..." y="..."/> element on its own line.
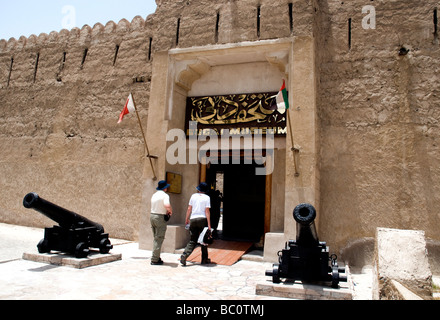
<point x="174" y="75"/>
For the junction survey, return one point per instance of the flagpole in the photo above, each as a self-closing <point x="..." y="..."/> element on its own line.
<point x="294" y="149"/>
<point x="145" y="140"/>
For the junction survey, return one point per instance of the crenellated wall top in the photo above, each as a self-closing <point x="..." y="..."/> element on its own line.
<point x="81" y="36"/>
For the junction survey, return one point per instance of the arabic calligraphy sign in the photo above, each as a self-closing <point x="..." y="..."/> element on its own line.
<point x="241" y="114"/>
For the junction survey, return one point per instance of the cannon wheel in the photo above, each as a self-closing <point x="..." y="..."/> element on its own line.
<point x="104" y="246"/>
<point x="81" y="250"/>
<point x="43" y="246"/>
<point x="276" y="274"/>
<point x="335" y="277"/>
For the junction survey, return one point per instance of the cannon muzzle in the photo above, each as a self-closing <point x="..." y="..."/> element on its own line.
<point x="305" y="215"/>
<point x="65" y="218"/>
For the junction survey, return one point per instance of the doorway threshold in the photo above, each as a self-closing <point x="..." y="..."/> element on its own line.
<point x="254" y="255"/>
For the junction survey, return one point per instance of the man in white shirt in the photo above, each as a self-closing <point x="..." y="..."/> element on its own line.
<point x="198" y="216"/>
<point x="160" y="212"/>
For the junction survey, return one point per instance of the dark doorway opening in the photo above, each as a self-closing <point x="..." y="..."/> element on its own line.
<point x="243" y="196"/>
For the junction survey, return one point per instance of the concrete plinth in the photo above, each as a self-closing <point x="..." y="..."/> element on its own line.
<point x="60" y="259"/>
<point x="401" y="261"/>
<point x="303" y="291"/>
<point x="274" y="242"/>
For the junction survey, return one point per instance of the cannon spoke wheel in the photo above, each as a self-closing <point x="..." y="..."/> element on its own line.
<point x="81" y="250"/>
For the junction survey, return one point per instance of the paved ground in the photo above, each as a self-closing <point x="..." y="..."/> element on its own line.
<point x="130" y="278"/>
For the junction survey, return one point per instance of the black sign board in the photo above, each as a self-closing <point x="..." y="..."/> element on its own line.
<point x="240" y="114"/>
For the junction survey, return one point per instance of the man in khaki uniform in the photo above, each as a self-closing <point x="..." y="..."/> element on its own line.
<point x="160" y="212"/>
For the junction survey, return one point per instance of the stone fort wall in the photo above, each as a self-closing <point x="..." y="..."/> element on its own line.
<point x="379" y="113"/>
<point x="61" y="94"/>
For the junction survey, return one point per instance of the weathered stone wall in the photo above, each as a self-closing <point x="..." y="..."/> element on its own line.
<point x="378" y="111"/>
<point x="58" y="131"/>
<point x="235" y="21"/>
<point x="379" y="119"/>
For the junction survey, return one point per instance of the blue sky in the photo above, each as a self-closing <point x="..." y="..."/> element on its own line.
<point x="26" y="17"/>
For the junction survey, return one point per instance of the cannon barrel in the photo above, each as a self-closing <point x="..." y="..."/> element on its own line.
<point x="305" y="215"/>
<point x="65" y="218"/>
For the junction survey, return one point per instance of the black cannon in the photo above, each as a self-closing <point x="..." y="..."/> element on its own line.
<point x="74" y="234"/>
<point x="307" y="259"/>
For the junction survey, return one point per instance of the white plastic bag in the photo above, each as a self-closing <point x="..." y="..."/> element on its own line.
<point x="202" y="236"/>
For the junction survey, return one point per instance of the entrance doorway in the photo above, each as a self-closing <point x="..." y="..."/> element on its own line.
<point x="243" y="200"/>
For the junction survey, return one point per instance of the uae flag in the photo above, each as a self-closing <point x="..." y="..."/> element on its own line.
<point x="128" y="108"/>
<point x="281" y="101"/>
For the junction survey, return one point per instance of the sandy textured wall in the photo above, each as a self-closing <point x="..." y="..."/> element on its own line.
<point x="380" y="120"/>
<point x="58" y="130"/>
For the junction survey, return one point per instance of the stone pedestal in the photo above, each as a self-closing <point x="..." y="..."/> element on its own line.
<point x="303" y="291"/>
<point x="60" y="259"/>
<point x="274" y="242"/>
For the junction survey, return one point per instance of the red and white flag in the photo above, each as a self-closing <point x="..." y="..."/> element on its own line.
<point x="129" y="108"/>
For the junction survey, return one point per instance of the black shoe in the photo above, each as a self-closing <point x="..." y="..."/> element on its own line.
<point x="157" y="263"/>
<point x="183" y="260"/>
<point x="206" y="261"/>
